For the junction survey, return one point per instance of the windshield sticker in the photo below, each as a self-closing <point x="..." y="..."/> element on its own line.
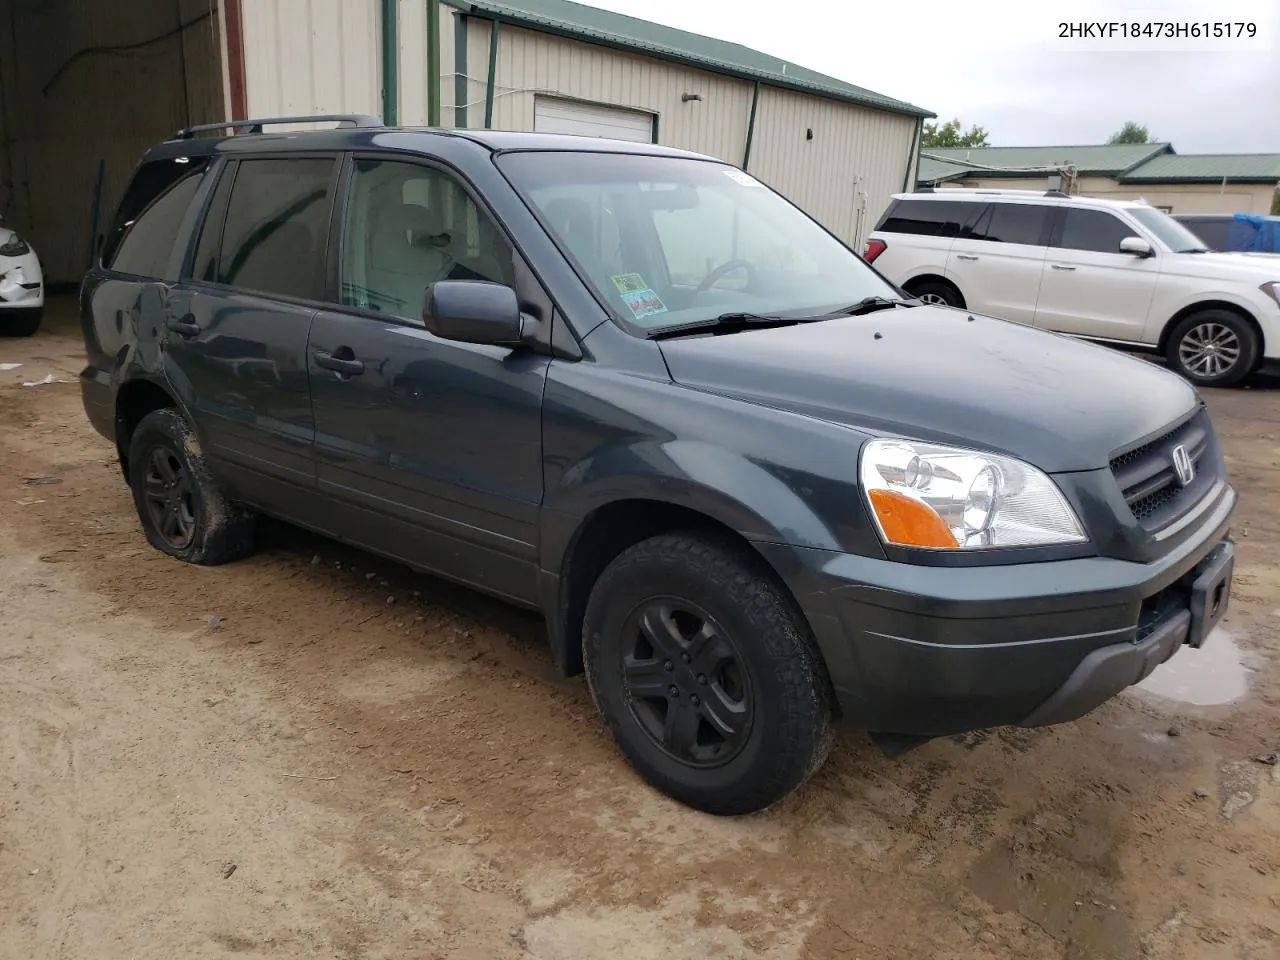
<point x="637" y="295"/>
<point x="737" y="176"/>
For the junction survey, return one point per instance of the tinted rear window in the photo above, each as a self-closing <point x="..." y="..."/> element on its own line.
<point x="276" y="229"/>
<point x="928" y="218"/>
<point x="1093" y="230"/>
<point x="150" y="217"/>
<point x="1014" y="223"/>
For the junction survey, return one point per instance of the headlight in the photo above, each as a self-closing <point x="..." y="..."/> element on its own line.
<point x="1272" y="289"/>
<point x="943" y="498"/>
<point x="15" y="248"/>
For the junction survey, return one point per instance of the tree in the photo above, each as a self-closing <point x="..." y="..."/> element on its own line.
<point x="1130" y="133"/>
<point x="1275" y="204"/>
<point x="949" y="135"/>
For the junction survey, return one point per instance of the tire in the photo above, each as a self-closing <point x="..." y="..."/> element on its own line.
<point x="1213" y="348"/>
<point x="936" y="292"/>
<point x="184" y="512"/>
<point x="20" y="323"/>
<point x="761" y="673"/>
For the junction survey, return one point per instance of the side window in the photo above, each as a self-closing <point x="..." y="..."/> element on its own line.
<point x="273" y="240"/>
<point x="409" y="226"/>
<point x="1093" y="230"/>
<point x="1014" y="223"/>
<point x="204" y="266"/>
<point x="929" y="218"/>
<point x="150" y="218"/>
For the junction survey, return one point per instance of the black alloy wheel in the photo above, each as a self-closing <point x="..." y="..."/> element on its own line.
<point x="685" y="682"/>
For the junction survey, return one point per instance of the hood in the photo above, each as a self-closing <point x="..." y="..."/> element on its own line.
<point x="1249" y="267"/>
<point x="931" y="373"/>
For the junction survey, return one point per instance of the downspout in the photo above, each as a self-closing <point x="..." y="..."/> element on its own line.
<point x="460" y="86"/>
<point x="913" y="158"/>
<point x="751" y="125"/>
<point x="390" y="61"/>
<point x="235" y="60"/>
<point x="433" y="63"/>
<point x="493" y="74"/>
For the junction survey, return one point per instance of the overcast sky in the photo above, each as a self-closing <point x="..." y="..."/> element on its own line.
<point x="988" y="62"/>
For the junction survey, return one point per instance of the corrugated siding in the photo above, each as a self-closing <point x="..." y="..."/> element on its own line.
<point x="530" y="63"/>
<point x="62" y="115"/>
<point x="312" y="56"/>
<point x="846" y="174"/>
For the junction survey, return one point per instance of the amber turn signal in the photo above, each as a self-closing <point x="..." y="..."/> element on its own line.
<point x="909" y="523"/>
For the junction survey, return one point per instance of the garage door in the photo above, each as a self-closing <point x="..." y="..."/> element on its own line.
<point x="591" y="120"/>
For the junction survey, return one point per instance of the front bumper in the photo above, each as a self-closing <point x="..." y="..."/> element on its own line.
<point x="932" y="651"/>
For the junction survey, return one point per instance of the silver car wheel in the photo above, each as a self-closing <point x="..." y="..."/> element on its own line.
<point x="1209" y="350"/>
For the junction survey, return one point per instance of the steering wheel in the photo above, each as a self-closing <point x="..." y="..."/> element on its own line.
<point x="727" y="267"/>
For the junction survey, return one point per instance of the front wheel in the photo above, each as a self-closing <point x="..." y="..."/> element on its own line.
<point x="20" y="322"/>
<point x="1214" y="348"/>
<point x="706" y="674"/>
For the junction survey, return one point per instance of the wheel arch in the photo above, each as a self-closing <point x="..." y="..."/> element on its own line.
<point x="922" y="278"/>
<point x="1197" y="307"/>
<point x="600" y="536"/>
<point x="134" y="400"/>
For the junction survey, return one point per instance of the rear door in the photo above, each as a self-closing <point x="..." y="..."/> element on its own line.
<point x="917" y="234"/>
<point x="1090" y="288"/>
<point x="429" y="450"/>
<point x="997" y="261"/>
<point x="238" y="326"/>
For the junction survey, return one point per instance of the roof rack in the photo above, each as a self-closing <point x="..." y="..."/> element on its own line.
<point x="242" y="127"/>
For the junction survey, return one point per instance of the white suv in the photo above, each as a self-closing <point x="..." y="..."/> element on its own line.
<point x="1117" y="272"/>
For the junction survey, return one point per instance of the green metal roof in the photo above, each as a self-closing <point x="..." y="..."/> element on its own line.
<point x="1208" y="167"/>
<point x="594" y="25"/>
<point x="1102" y="159"/>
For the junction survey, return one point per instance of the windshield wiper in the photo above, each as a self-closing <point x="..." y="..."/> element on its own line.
<point x="872" y="304"/>
<point x="725" y="323"/>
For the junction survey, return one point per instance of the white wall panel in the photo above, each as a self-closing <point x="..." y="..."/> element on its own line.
<point x="846" y="174"/>
<point x="312" y="56"/>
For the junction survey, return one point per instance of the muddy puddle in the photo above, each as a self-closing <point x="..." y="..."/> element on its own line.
<point x="1215" y="674"/>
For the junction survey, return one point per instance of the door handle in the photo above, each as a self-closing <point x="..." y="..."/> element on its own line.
<point x="184" y="326"/>
<point x="965" y="256"/>
<point x="1062" y="266"/>
<point x="341" y="361"/>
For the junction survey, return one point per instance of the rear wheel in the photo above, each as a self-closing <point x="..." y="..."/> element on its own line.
<point x="706" y="674"/>
<point x="936" y="292"/>
<point x="1214" y="348"/>
<point x="183" y="510"/>
<point x="21" y="322"/>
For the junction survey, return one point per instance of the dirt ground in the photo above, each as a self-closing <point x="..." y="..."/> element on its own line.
<point x="314" y="753"/>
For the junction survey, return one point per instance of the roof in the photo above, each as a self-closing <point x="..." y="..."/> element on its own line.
<point x="939" y="164"/>
<point x="1208" y="167"/>
<point x="594" y="25"/>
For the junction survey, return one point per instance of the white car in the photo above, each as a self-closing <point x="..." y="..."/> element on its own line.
<point x="1122" y="273"/>
<point x="21" y="286"/>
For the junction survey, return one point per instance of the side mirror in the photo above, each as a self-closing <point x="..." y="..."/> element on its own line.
<point x="1136" y="246"/>
<point x="473" y="311"/>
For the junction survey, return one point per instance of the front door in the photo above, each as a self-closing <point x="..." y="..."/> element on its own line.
<point x="431" y="449"/>
<point x="238" y="326"/>
<point x="1090" y="288"/>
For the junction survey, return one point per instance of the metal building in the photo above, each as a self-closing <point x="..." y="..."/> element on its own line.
<point x="86" y="87"/>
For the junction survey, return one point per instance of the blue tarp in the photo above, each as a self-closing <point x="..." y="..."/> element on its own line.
<point x="1250" y="232"/>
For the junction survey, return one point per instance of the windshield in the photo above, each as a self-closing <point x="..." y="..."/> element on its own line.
<point x="1167" y="230"/>
<point x="669" y="241"/>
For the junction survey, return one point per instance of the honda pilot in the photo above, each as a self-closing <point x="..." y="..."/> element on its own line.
<point x="755" y="491"/>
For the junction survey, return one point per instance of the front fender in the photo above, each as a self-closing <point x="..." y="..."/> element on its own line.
<point x="740" y="493"/>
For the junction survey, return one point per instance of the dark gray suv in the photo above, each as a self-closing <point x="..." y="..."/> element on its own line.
<point x="754" y="490"/>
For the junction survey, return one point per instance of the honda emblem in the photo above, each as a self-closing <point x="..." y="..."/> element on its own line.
<point x="1182" y="465"/>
